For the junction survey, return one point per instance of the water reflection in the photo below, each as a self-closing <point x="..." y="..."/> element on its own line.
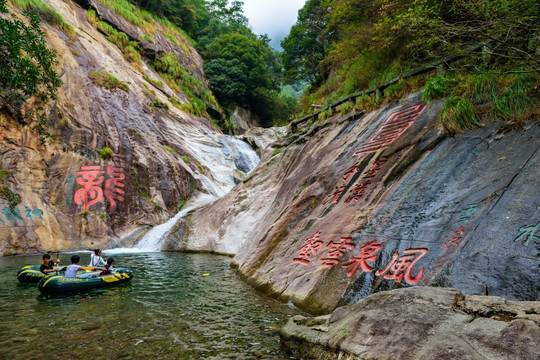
<point x="168" y="311"/>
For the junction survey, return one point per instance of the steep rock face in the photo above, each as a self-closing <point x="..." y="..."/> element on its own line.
<point x="356" y="205"/>
<point x="419" y="323"/>
<point x="70" y="196"/>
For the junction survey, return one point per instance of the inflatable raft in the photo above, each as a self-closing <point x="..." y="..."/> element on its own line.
<point x="33" y="274"/>
<point x="55" y="284"/>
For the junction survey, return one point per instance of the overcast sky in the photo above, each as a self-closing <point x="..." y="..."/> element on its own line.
<point x="272" y="17"/>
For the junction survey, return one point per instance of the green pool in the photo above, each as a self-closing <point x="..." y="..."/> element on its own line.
<point x="168" y="311"/>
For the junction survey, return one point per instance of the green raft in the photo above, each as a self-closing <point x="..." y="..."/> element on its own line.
<point x="33" y="274"/>
<point x="56" y="284"/>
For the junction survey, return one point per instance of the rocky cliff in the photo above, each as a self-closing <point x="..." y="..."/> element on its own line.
<point x="362" y="203"/>
<point x="123" y="147"/>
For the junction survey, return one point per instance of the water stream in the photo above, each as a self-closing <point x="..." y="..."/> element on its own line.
<point x="234" y="154"/>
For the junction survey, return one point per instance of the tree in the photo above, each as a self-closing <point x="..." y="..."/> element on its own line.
<point x="306" y="46"/>
<point x="26" y="63"/>
<point x="250" y="56"/>
<point x="227" y="80"/>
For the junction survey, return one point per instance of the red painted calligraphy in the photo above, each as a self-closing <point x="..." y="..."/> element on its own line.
<point x="92" y="178"/>
<point x="336" y="251"/>
<point x="113" y="186"/>
<point x="359" y="189"/>
<point x="367" y="253"/>
<point x="396" y="124"/>
<point x="310" y="247"/>
<point x="338" y="190"/>
<point x="90" y="193"/>
<point x="455" y="238"/>
<point x="350" y="171"/>
<point x="401" y="267"/>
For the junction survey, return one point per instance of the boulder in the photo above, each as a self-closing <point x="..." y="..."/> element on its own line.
<point x="419" y="323"/>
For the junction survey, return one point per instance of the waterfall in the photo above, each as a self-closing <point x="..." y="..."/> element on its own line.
<point x="230" y="154"/>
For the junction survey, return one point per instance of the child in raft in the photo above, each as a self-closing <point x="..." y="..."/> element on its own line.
<point x="71" y="270"/>
<point x="108" y="268"/>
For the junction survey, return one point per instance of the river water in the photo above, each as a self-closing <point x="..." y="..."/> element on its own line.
<point x="170" y="310"/>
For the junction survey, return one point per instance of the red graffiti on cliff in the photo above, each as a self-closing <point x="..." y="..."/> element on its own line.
<point x="90" y="193"/>
<point x="454" y="239"/>
<point x="113" y="186"/>
<point x="395" y="125"/>
<point x="369" y="253"/>
<point x="91" y="179"/>
<point x="360" y="188"/>
<point x="310" y="247"/>
<point x="401" y="267"/>
<point x="336" y="251"/>
<point x="334" y="197"/>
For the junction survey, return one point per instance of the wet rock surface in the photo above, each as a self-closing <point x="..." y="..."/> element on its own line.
<point x="356" y="205"/>
<point x="419" y="323"/>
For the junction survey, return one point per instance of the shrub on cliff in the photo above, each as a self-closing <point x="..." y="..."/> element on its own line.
<point x="26" y="63"/>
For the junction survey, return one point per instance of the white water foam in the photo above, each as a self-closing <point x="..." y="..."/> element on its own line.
<point x="232" y="154"/>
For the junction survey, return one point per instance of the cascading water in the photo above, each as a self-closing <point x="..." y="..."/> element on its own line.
<point x="231" y="154"/>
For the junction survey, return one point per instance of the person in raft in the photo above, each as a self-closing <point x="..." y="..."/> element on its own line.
<point x="108" y="268"/>
<point x="71" y="270"/>
<point x="96" y="259"/>
<point x="48" y="266"/>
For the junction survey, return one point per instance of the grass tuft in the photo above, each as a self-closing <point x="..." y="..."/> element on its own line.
<point x="105" y="153"/>
<point x="458" y="114"/>
<point x="106" y="80"/>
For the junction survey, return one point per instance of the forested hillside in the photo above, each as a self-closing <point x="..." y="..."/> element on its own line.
<point x="486" y="54"/>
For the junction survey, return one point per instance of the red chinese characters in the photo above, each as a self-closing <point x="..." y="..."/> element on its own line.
<point x="401" y="266"/>
<point x="113" y="186"/>
<point x="310" y="247"/>
<point x="92" y="178"/>
<point x="90" y="193"/>
<point x="396" y="124"/>
<point x="367" y="253"/>
<point x="336" y="251"/>
<point x="455" y="238"/>
<point x="360" y="188"/>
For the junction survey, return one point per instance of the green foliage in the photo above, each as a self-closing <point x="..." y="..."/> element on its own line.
<point x="159" y="104"/>
<point x="306" y="46"/>
<point x="171" y="150"/>
<point x="372" y="42"/>
<point x="102" y="215"/>
<point x="106" y="80"/>
<point x="146" y="37"/>
<point x="186" y="159"/>
<point x="346" y="108"/>
<point x="276" y="151"/>
<point x="105" y="153"/>
<point x="483" y="89"/>
<point x="12" y="197"/>
<point x="512" y="103"/>
<point x="84" y="213"/>
<point x="458" y="114"/>
<point x="26" y="63"/>
<point x="200" y="167"/>
<point x="438" y="87"/>
<point x="45" y="13"/>
<point x="41" y="129"/>
<point x="180" y="80"/>
<point x="65" y="122"/>
<point x="182" y="203"/>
